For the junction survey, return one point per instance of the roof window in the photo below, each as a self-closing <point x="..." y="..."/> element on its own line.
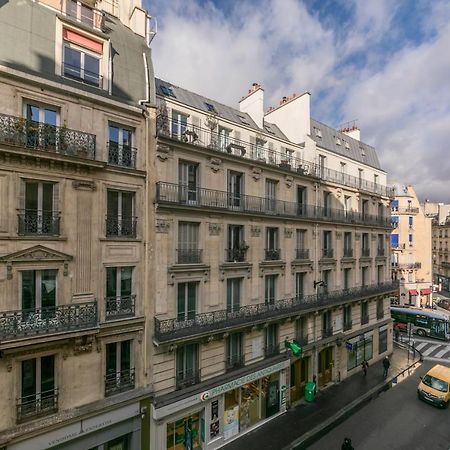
<point x="243" y="119"/>
<point x="269" y="129"/>
<point x="318" y="132"/>
<point x="347" y="145"/>
<point x="211" y="108"/>
<point x="166" y="90"/>
<point x="338" y="141"/>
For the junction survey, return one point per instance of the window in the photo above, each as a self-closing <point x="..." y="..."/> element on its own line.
<point x="236" y="245"/>
<point x="211" y="108"/>
<point x="84" y="14"/>
<point x="235" y="357"/>
<point x="327" y="204"/>
<point x="322" y="165"/>
<point x="360" y="173"/>
<point x="259" y="149"/>
<point x="327" y="327"/>
<point x="299" y="285"/>
<point x="301" y="330"/>
<point x="410" y="221"/>
<point x="301" y="251"/>
<point x="410" y="239"/>
<point x="338" y="141"/>
<point x="347" y="274"/>
<point x="120" y="301"/>
<point x="271" y="195"/>
<point x="119" y="375"/>
<point x="38" y="214"/>
<point x="120" y="150"/>
<point x="347" y="317"/>
<point x="380" y="245"/>
<point x="235" y="188"/>
<point x="327" y="245"/>
<point x="41" y="130"/>
<point x="168" y="91"/>
<point x="288" y="156"/>
<point x="348" y="250"/>
<point x="318" y="132"/>
<point x="271" y="340"/>
<point x="326" y="278"/>
<point x="243" y="119"/>
<point x="365" y="245"/>
<point x="187" y="365"/>
<point x="39" y="292"/>
<point x="364" y="276"/>
<point x="188" y="180"/>
<point x="270" y="292"/>
<point x="380" y="309"/>
<point x="394" y="205"/>
<point x="234" y="294"/>
<point x="347" y="145"/>
<point x="364" y="312"/>
<point x="268" y="128"/>
<point x="188" y="243"/>
<point x="272" y="250"/>
<point x="375" y="177"/>
<point x="360" y="351"/>
<point x="394" y="240"/>
<point x="301" y="200"/>
<point x="38" y="387"/>
<point x="380" y="210"/>
<point x="224" y="138"/>
<point x="187" y="300"/>
<point x="364" y="208"/>
<point x="382" y="341"/>
<point x="347" y="205"/>
<point x="179" y="125"/>
<point x="120" y="220"/>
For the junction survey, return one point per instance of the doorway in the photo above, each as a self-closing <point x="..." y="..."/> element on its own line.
<point x="325" y="366"/>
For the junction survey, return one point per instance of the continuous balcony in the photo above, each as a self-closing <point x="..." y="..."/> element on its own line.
<point x="406" y="266"/>
<point x="120" y="307"/>
<point x="48" y="320"/>
<point x="211" y="140"/>
<point x="38" y="223"/>
<point x="173" y="194"/>
<point x="37" y="405"/>
<point x="168" y="330"/>
<point x="30" y="135"/>
<point x="120" y="381"/>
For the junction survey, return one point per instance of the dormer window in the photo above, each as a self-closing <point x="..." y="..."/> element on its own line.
<point x="269" y="129"/>
<point x="84" y="14"/>
<point x="347" y="145"/>
<point x="244" y="120"/>
<point x="166" y="90"/>
<point x="318" y="132"/>
<point x="338" y="141"/>
<point x="211" y="108"/>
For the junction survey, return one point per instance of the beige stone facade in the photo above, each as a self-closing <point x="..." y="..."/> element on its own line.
<point x="258" y="244"/>
<point x="411" y="248"/>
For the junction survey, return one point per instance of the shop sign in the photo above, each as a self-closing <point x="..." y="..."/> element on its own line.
<point x="283" y="395"/>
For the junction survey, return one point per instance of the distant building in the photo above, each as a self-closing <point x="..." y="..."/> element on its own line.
<point x="411" y="257"/>
<point x="441" y="249"/>
<point x="437" y="211"/>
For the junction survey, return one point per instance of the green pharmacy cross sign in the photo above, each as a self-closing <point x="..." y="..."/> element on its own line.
<point x="294" y="346"/>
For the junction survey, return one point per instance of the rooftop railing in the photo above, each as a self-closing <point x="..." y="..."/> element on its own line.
<point x="84" y="14"/>
<point x="212" y="140"/>
<point x="171" y="193"/>
<point x="167" y="330"/>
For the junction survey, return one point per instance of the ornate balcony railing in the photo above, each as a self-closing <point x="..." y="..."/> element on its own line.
<point x="348" y="325"/>
<point x="34" y="222"/>
<point x="301" y="253"/>
<point x="327" y="253"/>
<point x="189" y="256"/>
<point x="234" y="362"/>
<point x="235" y="254"/>
<point x="188" y="377"/>
<point x="52" y="319"/>
<point x="211" y="140"/>
<point x="365" y="252"/>
<point x="121" y="226"/>
<point x="173" y="329"/>
<point x="175" y="194"/>
<point x="28" y="134"/>
<point x="121" y="155"/>
<point x="120" y="307"/>
<point x="327" y="332"/>
<point x="120" y="381"/>
<point x="348" y="253"/>
<point x="406" y="266"/>
<point x="272" y="254"/>
<point x="37" y="405"/>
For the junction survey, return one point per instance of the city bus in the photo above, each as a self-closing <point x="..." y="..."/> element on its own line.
<point x="423" y="322"/>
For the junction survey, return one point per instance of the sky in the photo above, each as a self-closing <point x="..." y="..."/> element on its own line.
<point x="383" y="63"/>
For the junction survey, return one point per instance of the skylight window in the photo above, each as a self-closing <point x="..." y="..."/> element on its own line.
<point x="166" y="90"/>
<point x="347" y="145"/>
<point x="211" y="108"/>
<point x="269" y="129"/>
<point x="318" y="132"/>
<point x="338" y="141"/>
<point x="243" y="119"/>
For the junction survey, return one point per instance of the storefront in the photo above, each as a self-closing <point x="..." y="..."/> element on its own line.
<point x="359" y="349"/>
<point x="215" y="416"/>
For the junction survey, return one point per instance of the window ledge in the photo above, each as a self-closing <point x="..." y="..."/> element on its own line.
<point x="34" y="238"/>
<point x="119" y="239"/>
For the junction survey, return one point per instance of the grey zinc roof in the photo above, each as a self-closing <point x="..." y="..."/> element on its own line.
<point x="27" y="36"/>
<point x="358" y="151"/>
<point x="227" y="112"/>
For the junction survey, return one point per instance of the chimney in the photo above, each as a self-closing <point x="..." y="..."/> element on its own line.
<point x="253" y="104"/>
<point x="350" y="129"/>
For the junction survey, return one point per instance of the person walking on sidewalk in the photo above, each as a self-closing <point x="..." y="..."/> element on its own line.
<point x="365" y="366"/>
<point x="386" y="365"/>
<point x="347" y="444"/>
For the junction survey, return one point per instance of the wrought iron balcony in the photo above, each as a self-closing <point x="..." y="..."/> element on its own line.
<point x="271" y="350"/>
<point x="41" y="321"/>
<point x="364" y="319"/>
<point x="186" y="378"/>
<point x="121" y="155"/>
<point x="272" y="254"/>
<point x="348" y="253"/>
<point x="20" y="132"/>
<point x="347" y="325"/>
<point x="120" y="381"/>
<point x="120" y="307"/>
<point x="327" y="253"/>
<point x="177" y="194"/>
<point x="84" y="14"/>
<point x="211" y="140"/>
<point x="301" y="253"/>
<point x="327" y="332"/>
<point x="406" y="266"/>
<point x="37" y="405"/>
<point x="41" y="223"/>
<point x="121" y="226"/>
<point x="189" y="256"/>
<point x="365" y="252"/>
<point x="235" y="254"/>
<point x="167" y="330"/>
<point x="234" y="362"/>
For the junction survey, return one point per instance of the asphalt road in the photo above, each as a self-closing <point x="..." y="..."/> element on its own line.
<point x="395" y="420"/>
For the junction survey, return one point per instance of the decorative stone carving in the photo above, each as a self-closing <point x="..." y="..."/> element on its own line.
<point x="338" y="235"/>
<point x="162" y="152"/>
<point x="214" y="229"/>
<point x="162" y="226"/>
<point x="374" y="237"/>
<point x="214" y="164"/>
<point x="84" y="185"/>
<point x="256" y="173"/>
<point x="82" y="344"/>
<point x="288" y="232"/>
<point x="288" y="180"/>
<point x="357" y="236"/>
<point x="338" y="192"/>
<point x="188" y="272"/>
<point x="255" y="230"/>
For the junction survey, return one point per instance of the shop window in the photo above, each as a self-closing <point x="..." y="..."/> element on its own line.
<point x="184" y="433"/>
<point x="382" y="341"/>
<point x="360" y="351"/>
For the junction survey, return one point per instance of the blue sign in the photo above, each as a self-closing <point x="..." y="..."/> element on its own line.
<point x="349" y="346"/>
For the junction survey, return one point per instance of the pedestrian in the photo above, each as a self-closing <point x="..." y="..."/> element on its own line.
<point x="386" y="365"/>
<point x="365" y="366"/>
<point x="347" y="444"/>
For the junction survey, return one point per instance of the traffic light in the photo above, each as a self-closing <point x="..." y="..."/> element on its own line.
<point x="294" y="346"/>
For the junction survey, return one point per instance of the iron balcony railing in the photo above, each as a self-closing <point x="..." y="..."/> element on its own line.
<point x="327" y="253"/>
<point x="348" y="253"/>
<point x="189" y="256"/>
<point x="52" y="319"/>
<point x="365" y="252"/>
<point x="406" y="266"/>
<point x="234" y="362"/>
<point x="272" y="254"/>
<point x="380" y="251"/>
<point x="235" y="254"/>
<point x="121" y="226"/>
<point x="173" y="329"/>
<point x="121" y="155"/>
<point x="188" y="377"/>
<point x="84" y="14"/>
<point x="120" y="307"/>
<point x="176" y="194"/>
<point x="327" y="332"/>
<point x="301" y="253"/>
<point x="32" y="406"/>
<point x="407" y="210"/>
<point x="35" y="222"/>
<point x="120" y="381"/>
<point x="347" y="325"/>
<point x="212" y="140"/>
<point x="20" y="132"/>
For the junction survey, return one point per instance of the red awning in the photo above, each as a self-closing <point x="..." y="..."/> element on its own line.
<point x="413" y="292"/>
<point x="425" y="291"/>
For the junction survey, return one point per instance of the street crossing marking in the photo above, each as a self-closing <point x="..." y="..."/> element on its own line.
<point x="421" y="346"/>
<point x="433" y="350"/>
<point x="440" y="353"/>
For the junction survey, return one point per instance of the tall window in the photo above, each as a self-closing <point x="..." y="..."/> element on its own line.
<point x="364" y="276"/>
<point x="235" y="188"/>
<point x="327" y="204"/>
<point x="347" y="205"/>
<point x="348" y="249"/>
<point x="119" y="297"/>
<point x="120" y="150"/>
<point x="81" y="63"/>
<point x="301" y="330"/>
<point x="188" y="243"/>
<point x="299" y="285"/>
<point x="187" y="300"/>
<point x="38" y="387"/>
<point x="120" y="220"/>
<point x="327" y="327"/>
<point x="301" y="200"/>
<point x="235" y="357"/>
<point x="322" y="165"/>
<point x="327" y="245"/>
<point x="41" y="125"/>
<point x="364" y="312"/>
<point x="347" y="273"/>
<point x="365" y="245"/>
<point x="380" y="210"/>
<point x="39" y="214"/>
<point x="301" y="251"/>
<point x="259" y="149"/>
<point x="271" y="339"/>
<point x="234" y="286"/>
<point x="236" y="245"/>
<point x="179" y="125"/>
<point x="380" y="274"/>
<point x="187" y="365"/>
<point x="270" y="293"/>
<point x="364" y="208"/>
<point x="271" y="195"/>
<point x="326" y="278"/>
<point x="380" y="309"/>
<point x="224" y="138"/>
<point x="272" y="250"/>
<point x="119" y="367"/>
<point x="188" y="179"/>
<point x="347" y="317"/>
<point x="39" y="291"/>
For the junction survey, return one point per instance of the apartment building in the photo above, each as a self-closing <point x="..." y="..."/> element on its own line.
<point x="441" y="263"/>
<point x="77" y="90"/>
<point x="411" y="257"/>
<point x="270" y="227"/>
<point x="438" y="211"/>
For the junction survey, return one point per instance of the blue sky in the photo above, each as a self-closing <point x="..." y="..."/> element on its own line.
<point x="384" y="63"/>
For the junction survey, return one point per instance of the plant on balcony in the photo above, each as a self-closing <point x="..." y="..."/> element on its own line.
<point x="241" y="250"/>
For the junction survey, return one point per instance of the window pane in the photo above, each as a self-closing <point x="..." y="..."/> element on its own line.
<point x="50" y="117"/>
<point x="28" y="377"/>
<point x="47" y="373"/>
<point x="31" y="196"/>
<point x="111" y="281"/>
<point x="72" y="62"/>
<point x="125" y="282"/>
<point x="91" y="69"/>
<point x="125" y="355"/>
<point x="127" y="204"/>
<point x="113" y="134"/>
<point x="111" y="354"/>
<point x="33" y="113"/>
<point x="48" y="288"/>
<point x="28" y="289"/>
<point x="112" y="205"/>
<point x="47" y="197"/>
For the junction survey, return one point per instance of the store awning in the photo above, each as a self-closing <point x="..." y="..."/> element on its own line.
<point x="413" y="292"/>
<point x="425" y="291"/>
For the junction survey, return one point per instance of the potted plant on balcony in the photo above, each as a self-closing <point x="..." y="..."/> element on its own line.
<point x="239" y="253"/>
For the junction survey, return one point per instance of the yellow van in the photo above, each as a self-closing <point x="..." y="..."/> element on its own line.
<point x="434" y="386"/>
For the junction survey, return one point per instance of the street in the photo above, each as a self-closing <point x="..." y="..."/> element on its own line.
<point x="395" y="420"/>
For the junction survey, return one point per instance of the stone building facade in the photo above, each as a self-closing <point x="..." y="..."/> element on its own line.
<point x="441" y="262"/>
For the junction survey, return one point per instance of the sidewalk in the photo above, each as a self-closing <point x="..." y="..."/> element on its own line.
<point x="303" y="424"/>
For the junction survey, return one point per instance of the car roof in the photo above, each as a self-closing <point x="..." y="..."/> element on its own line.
<point x="441" y="372"/>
